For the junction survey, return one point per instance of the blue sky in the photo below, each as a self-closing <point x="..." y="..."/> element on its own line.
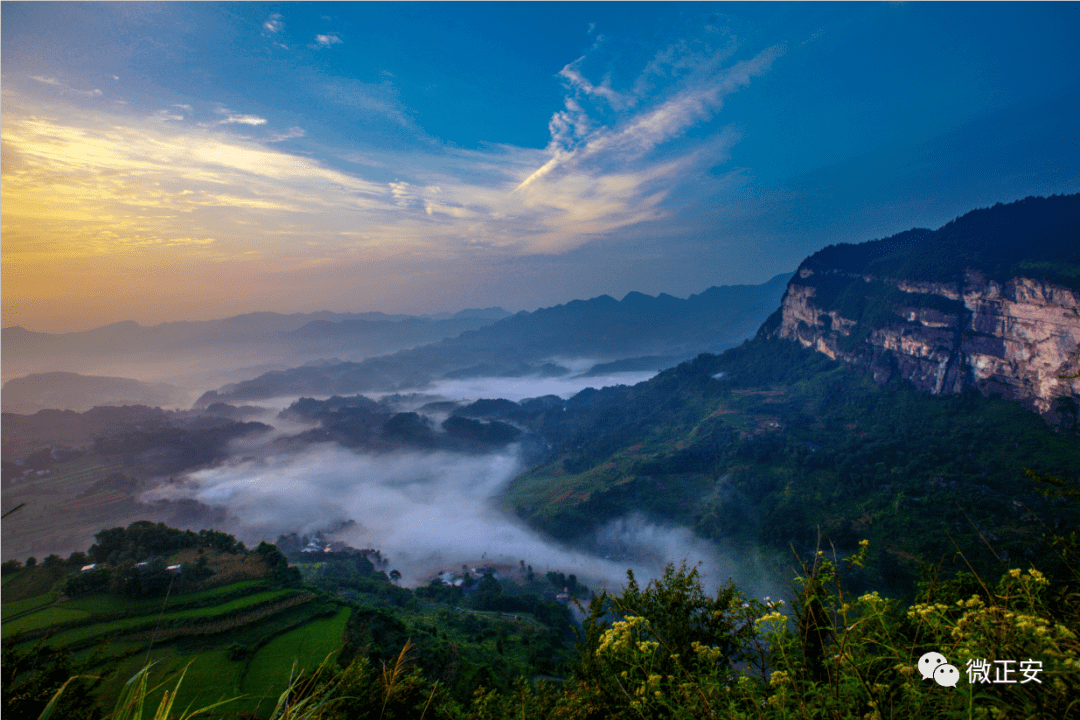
<point x="198" y="160"/>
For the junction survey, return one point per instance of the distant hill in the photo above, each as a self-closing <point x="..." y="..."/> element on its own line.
<point x="263" y="335"/>
<point x="601" y="329"/>
<point x="70" y="391"/>
<point x="377" y="336"/>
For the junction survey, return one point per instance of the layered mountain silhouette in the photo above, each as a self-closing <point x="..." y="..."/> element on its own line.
<point x="663" y="329"/>
<point x="262" y="335"/>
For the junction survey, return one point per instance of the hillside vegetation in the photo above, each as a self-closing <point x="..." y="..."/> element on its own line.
<point x="772" y="443"/>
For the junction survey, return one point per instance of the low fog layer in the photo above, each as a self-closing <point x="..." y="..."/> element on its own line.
<point x="436" y="511"/>
<point x="529" y="387"/>
<point x="432" y="512"/>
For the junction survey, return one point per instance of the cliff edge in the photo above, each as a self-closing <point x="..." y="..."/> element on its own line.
<point x="990" y="301"/>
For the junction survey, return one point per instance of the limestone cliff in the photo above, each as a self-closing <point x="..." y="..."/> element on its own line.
<point x="924" y="307"/>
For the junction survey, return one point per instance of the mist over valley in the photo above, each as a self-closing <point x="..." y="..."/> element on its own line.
<point x="426" y="495"/>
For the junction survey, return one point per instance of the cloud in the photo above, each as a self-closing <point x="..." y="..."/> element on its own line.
<point x="635" y="134"/>
<point x="67" y="88"/>
<point x="370" y="99"/>
<point x="404" y="195"/>
<point x="117" y="178"/>
<point x="233" y="118"/>
<point x="432" y="511"/>
<point x="166" y="115"/>
<point x="327" y="40"/>
<point x="290" y="134"/>
<point x="572" y="75"/>
<point x="603" y="175"/>
<point x="273" y="24"/>
<point x="362" y="159"/>
<point x="242" y="120"/>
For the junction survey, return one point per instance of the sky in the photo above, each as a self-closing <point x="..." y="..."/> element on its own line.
<point x="201" y="160"/>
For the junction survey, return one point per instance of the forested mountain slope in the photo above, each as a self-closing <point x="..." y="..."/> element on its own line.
<point x="774" y="443"/>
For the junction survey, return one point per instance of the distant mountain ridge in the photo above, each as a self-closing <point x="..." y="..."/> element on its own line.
<point x="601" y="329"/>
<point x="989" y="301"/>
<point x="249" y="327"/>
<point x="267" y="334"/>
<point x="70" y="391"/>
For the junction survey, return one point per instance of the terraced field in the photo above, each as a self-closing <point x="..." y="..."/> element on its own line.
<point x="32" y="530"/>
<point x="306" y="647"/>
<point x="59" y="617"/>
<point x="197" y="633"/>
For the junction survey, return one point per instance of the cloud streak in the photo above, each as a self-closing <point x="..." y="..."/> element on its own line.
<point x="243" y="120"/>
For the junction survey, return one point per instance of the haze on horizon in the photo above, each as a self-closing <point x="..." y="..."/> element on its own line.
<point x="193" y="161"/>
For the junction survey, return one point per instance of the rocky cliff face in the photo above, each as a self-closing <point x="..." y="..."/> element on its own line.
<point x="989" y="301"/>
<point x="1016" y="338"/>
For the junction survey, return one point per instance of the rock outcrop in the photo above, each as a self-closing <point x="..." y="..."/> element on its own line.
<point x="1019" y="337"/>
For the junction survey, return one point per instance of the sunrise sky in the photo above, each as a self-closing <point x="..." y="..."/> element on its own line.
<point x="193" y="161"/>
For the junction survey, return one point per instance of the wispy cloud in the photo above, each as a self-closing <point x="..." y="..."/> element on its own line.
<point x="273" y="24"/>
<point x="581" y="85"/>
<point x="290" y="134"/>
<point x="67" y="88"/>
<point x="357" y="158"/>
<point x="327" y="40"/>
<point x="232" y="119"/>
<point x="378" y="100"/>
<point x="167" y="115"/>
<point x="615" y="164"/>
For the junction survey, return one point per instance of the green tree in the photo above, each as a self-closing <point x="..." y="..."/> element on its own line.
<point x="31" y="678"/>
